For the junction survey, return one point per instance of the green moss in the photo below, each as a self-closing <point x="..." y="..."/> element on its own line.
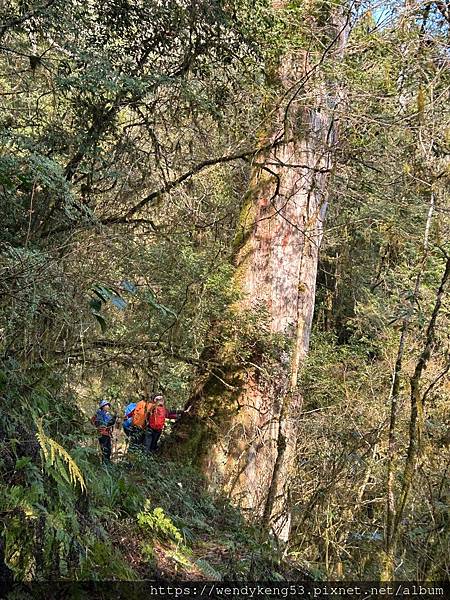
<point x="246" y="221"/>
<point x="247" y="217"/>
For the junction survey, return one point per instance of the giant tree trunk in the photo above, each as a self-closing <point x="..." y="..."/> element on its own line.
<point x="242" y="423"/>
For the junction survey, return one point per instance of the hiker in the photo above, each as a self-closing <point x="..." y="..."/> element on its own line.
<point x="104" y="422"/>
<point x="156" y="419"/>
<point x="127" y="423"/>
<point x="138" y="424"/>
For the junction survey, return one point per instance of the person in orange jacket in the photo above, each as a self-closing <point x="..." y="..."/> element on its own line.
<point x="139" y="422"/>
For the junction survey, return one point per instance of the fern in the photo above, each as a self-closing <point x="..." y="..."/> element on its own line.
<point x="19" y="497"/>
<point x="158" y="522"/>
<point x="207" y="569"/>
<point x="53" y="453"/>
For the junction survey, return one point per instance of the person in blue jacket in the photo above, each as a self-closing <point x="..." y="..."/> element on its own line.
<point x="104" y="421"/>
<point x="127" y="423"/>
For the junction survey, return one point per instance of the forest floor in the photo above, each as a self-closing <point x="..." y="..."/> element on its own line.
<point x="167" y="526"/>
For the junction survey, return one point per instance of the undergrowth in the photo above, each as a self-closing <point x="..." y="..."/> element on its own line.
<point x="65" y="516"/>
<point x="184" y="531"/>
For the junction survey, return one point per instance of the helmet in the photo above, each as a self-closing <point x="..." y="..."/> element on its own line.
<point x="104" y="403"/>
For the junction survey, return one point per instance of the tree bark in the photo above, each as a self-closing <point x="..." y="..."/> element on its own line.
<point x="242" y="424"/>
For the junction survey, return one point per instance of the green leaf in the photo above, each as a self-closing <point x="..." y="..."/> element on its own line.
<point x="102" y="292"/>
<point x="160" y="307"/>
<point x="22" y="462"/>
<point x="105" y="294"/>
<point x="95" y="304"/>
<point x="101" y="320"/>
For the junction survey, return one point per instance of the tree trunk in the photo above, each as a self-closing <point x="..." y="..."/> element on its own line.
<point x="394" y="397"/>
<point x="416" y="425"/>
<point x="242" y="421"/>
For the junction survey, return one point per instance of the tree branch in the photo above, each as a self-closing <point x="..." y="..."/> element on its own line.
<point x="14" y="21"/>
<point x="167" y="187"/>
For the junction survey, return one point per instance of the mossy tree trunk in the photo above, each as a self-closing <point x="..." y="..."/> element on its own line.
<point x="242" y="421"/>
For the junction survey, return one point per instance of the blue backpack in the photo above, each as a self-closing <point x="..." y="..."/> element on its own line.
<point x="127" y="422"/>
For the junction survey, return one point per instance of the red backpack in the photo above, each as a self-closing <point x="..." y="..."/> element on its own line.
<point x="158" y="417"/>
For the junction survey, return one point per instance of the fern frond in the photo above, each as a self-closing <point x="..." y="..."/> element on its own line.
<point x="51" y="451"/>
<point x="211" y="573"/>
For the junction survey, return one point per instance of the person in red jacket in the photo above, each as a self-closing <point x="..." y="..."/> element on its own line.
<point x="156" y="419"/>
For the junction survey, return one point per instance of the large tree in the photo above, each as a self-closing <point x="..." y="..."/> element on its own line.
<point x="242" y="417"/>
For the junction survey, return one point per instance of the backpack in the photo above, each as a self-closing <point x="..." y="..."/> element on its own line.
<point x="140" y="414"/>
<point x="100" y="419"/>
<point x="158" y="417"/>
<point x="103" y="422"/>
<point x="128" y="415"/>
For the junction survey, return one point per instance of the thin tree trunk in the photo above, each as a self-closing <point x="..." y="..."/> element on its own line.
<point x="394" y="396"/>
<point x="415" y="424"/>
